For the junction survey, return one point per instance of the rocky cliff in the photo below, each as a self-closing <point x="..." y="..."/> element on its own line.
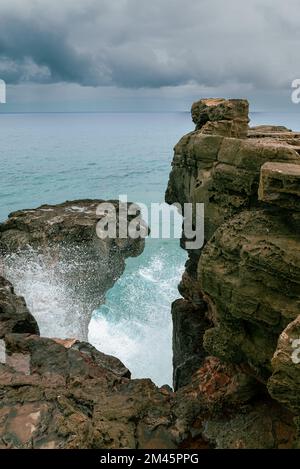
<point x="241" y="291"/>
<point x="236" y="338"/>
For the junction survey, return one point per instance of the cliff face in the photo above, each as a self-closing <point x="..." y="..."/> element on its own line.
<point x="241" y="292"/>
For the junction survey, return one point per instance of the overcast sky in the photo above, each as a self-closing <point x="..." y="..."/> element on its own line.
<point x="147" y="54"/>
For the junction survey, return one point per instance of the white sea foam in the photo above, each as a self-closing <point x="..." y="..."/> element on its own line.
<point x="46" y="296"/>
<point x="135" y="322"/>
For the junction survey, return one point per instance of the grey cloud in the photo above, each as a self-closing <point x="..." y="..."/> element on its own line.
<point x="23" y="42"/>
<point x="137" y="43"/>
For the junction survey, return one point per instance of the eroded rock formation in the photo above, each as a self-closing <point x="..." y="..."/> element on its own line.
<point x="242" y="290"/>
<point x="64" y="394"/>
<point x="62" y="240"/>
<point x="236" y="332"/>
<point x="59" y="393"/>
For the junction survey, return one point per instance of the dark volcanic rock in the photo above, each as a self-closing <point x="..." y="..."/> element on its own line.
<point x="112" y="364"/>
<point x="65" y="394"/>
<point x="189" y="325"/>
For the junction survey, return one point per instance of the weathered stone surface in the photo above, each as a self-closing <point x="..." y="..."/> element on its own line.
<point x="280" y="185"/>
<point x="61" y="240"/>
<point x="70" y="399"/>
<point x="222" y="173"/>
<point x="220" y="385"/>
<point x="14" y="315"/>
<point x="66" y="223"/>
<point x="261" y="426"/>
<point x="59" y="393"/>
<point x="66" y="398"/>
<point x="267" y="129"/>
<point x="225" y="408"/>
<point x="219" y="116"/>
<point x="109" y="362"/>
<point x="248" y="273"/>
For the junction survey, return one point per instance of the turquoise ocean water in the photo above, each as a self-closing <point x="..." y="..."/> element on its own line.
<point x="49" y="158"/>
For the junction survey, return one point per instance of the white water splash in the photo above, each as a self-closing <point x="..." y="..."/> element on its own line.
<point x="46" y="296"/>
<point x="135" y="323"/>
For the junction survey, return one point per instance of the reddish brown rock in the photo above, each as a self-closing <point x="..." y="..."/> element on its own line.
<point x="76" y="397"/>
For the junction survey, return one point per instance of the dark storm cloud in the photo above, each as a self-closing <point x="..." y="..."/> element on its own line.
<point x="33" y="52"/>
<point x="138" y="43"/>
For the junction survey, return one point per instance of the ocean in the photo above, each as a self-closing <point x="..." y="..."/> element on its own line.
<point x="52" y="157"/>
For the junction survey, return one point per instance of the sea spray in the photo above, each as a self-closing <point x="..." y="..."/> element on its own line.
<point x="135" y="322"/>
<point x="47" y="294"/>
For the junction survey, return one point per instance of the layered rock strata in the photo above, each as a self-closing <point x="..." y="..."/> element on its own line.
<point x="242" y="289"/>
